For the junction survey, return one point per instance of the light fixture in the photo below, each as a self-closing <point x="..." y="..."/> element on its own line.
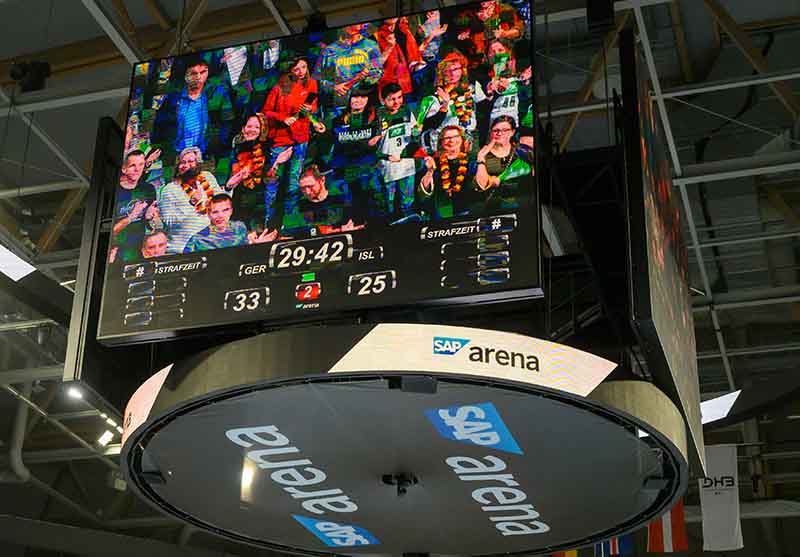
<point x="74" y="392"/>
<point x="13" y="266"/>
<point x="103" y="415"/>
<point x="111" y="422"/>
<point x="717" y="408"/>
<point x="119" y="430"/>
<point x="105" y="439"/>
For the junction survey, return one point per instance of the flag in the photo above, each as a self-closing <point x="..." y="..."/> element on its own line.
<point x="621" y="545"/>
<point x="568" y="553"/>
<point x="667" y="534"/>
<point x="719" y="500"/>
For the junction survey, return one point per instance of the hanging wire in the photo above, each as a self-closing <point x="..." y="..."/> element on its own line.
<point x="734" y="120"/>
<point x="562" y="62"/>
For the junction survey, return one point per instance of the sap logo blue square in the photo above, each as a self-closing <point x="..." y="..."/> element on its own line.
<point x="448" y="346"/>
<point x="476" y="424"/>
<point x="333" y="534"/>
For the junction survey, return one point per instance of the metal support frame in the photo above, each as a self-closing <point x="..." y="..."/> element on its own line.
<point x="73" y="539"/>
<point x="118" y="36"/>
<point x="742" y="167"/>
<point x="734" y="240"/>
<point x="47" y="140"/>
<point x="12" y="376"/>
<point x="752" y="351"/>
<point x="676" y="165"/>
<point x="66" y="455"/>
<point x="577" y="13"/>
<point x="69" y="433"/>
<point x="278" y="16"/>
<point x="27" y="324"/>
<point x="748" y="298"/>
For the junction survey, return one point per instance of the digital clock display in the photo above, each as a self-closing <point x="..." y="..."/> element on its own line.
<point x="318" y="252"/>
<point x="293" y="194"/>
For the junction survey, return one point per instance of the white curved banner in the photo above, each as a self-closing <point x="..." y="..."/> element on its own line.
<point x="479" y="352"/>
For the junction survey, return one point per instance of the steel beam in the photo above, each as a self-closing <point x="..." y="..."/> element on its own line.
<point x="742" y="167"/>
<point x="748" y="298"/>
<point x="13" y="193"/>
<point x="734" y="240"/>
<point x="22" y="325"/>
<point x="557" y="11"/>
<point x="68" y="432"/>
<point x="118" y="36"/>
<point x="278" y="16"/>
<point x="732" y="83"/>
<point x="678" y="170"/>
<point x="306" y="6"/>
<point x="752" y="351"/>
<point x="27" y="532"/>
<point x="76" y="415"/>
<point x="64" y="455"/>
<point x="45" y="373"/>
<point x="57" y="259"/>
<point x="49" y="141"/>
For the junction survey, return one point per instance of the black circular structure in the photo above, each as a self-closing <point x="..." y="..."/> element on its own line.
<point x="391" y="462"/>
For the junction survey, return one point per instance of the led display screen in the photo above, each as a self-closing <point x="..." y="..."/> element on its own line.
<point x="381" y="164"/>
<point x="662" y="306"/>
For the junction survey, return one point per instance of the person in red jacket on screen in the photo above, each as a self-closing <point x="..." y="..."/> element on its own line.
<point x="290" y="109"/>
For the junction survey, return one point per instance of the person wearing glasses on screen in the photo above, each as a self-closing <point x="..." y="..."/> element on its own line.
<point x="506" y="89"/>
<point x="326" y="207"/>
<point x="184" y="202"/>
<point x="135" y="212"/>
<point x="500" y="165"/>
<point x="455" y="102"/>
<point x="447" y="186"/>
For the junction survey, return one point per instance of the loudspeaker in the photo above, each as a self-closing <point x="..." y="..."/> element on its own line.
<point x="599" y="15"/>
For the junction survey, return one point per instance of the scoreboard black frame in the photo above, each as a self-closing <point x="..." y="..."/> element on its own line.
<point x="485" y="258"/>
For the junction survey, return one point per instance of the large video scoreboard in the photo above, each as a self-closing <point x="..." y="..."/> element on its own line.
<point x="383" y="164"/>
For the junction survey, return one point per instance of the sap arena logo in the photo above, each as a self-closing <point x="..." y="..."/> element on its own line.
<point x="477" y="424"/>
<point x="333" y="534"/>
<point x="448" y="346"/>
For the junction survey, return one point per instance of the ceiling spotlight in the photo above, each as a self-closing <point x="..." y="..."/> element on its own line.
<point x="74" y="392"/>
<point x="105" y="439"/>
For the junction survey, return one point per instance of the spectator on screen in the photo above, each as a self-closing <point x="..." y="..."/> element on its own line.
<point x="290" y="109"/>
<point x="154" y="245"/>
<point x="326" y="207"/>
<point x="135" y="212"/>
<point x="199" y="114"/>
<point x="222" y="232"/>
<point x="351" y="60"/>
<point x="184" y="202"/>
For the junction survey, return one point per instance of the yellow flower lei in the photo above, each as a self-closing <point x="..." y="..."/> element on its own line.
<point x="201" y="208"/>
<point x="461" y="173"/>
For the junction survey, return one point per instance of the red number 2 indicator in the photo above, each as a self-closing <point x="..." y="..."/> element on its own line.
<point x="307" y="291"/>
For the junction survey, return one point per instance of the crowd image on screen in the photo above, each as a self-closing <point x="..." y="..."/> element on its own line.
<point x="417" y="118"/>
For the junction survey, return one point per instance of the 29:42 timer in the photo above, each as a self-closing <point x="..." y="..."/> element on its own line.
<point x="316" y="252"/>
